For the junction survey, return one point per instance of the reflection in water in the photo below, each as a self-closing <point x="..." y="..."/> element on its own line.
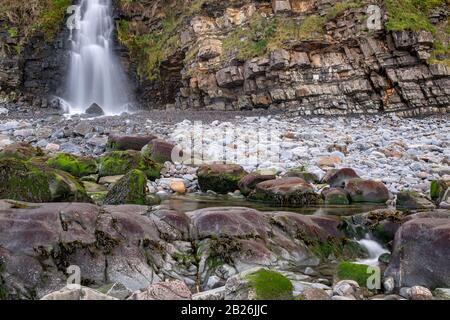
<point x="193" y="202"/>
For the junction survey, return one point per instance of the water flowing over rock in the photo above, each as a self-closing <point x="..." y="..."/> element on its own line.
<point x="95" y="75"/>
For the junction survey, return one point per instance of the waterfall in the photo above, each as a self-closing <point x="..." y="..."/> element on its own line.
<point x="374" y="249"/>
<point x="95" y="75"/>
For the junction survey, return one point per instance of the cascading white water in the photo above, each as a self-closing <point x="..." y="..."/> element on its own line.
<point x="374" y="249"/>
<point x="95" y="76"/>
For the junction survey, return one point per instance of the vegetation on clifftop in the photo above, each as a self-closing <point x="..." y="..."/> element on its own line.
<point x="31" y="16"/>
<point x="410" y="14"/>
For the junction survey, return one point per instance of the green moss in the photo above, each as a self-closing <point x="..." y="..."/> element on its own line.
<point x="13" y="32"/>
<point x="120" y="162"/>
<point x="131" y="189"/>
<point x="270" y="285"/>
<point x="184" y="259"/>
<point x="76" y="166"/>
<point x="220" y="182"/>
<point x="353" y="271"/>
<point x="339" y="249"/>
<point x="22" y="181"/>
<point x="435" y="189"/>
<point x="410" y="14"/>
<point x="337" y="199"/>
<point x="251" y="40"/>
<point x="311" y="28"/>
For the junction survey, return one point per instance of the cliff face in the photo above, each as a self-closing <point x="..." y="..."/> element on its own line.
<point x="308" y="57"/>
<point x="33" y="51"/>
<point x="303" y="56"/>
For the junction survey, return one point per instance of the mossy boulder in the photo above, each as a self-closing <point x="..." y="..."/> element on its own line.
<point x="76" y="166"/>
<point x="20" y="180"/>
<point x="24" y="181"/>
<point x="128" y="142"/>
<point x="220" y="178"/>
<point x="259" y="284"/>
<point x="285" y="192"/>
<point x="120" y="162"/>
<point x="21" y="150"/>
<point x="131" y="189"/>
<point x="159" y="150"/>
<point x="370" y="191"/>
<point x="270" y="285"/>
<point x="335" y="196"/>
<point x="353" y="271"/>
<point x="413" y="201"/>
<point x="66" y="188"/>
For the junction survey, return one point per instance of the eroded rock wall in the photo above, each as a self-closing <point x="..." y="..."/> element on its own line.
<point x="307" y="57"/>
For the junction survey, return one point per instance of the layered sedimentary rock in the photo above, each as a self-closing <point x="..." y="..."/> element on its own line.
<point x="307" y="57"/>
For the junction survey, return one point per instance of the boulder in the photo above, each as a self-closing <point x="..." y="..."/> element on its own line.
<point x="285" y="192"/>
<point x="171" y="290"/>
<point x="348" y="289"/>
<point x="314" y="294"/>
<point x="361" y="190"/>
<point x="129" y="142"/>
<point x="24" y="181"/>
<point x="442" y="293"/>
<point x="76" y="166"/>
<point x="420" y="293"/>
<point x="248" y="182"/>
<point x="220" y="178"/>
<point x="335" y="196"/>
<point x="81" y="293"/>
<point x="95" y="110"/>
<point x="178" y="186"/>
<point x="329" y="161"/>
<point x="413" y="201"/>
<point x="382" y="223"/>
<point x="301" y="173"/>
<point x="420" y="251"/>
<point x="130" y="189"/>
<point x="338" y="177"/>
<point x="158" y="150"/>
<point x="213" y="294"/>
<point x="120" y="162"/>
